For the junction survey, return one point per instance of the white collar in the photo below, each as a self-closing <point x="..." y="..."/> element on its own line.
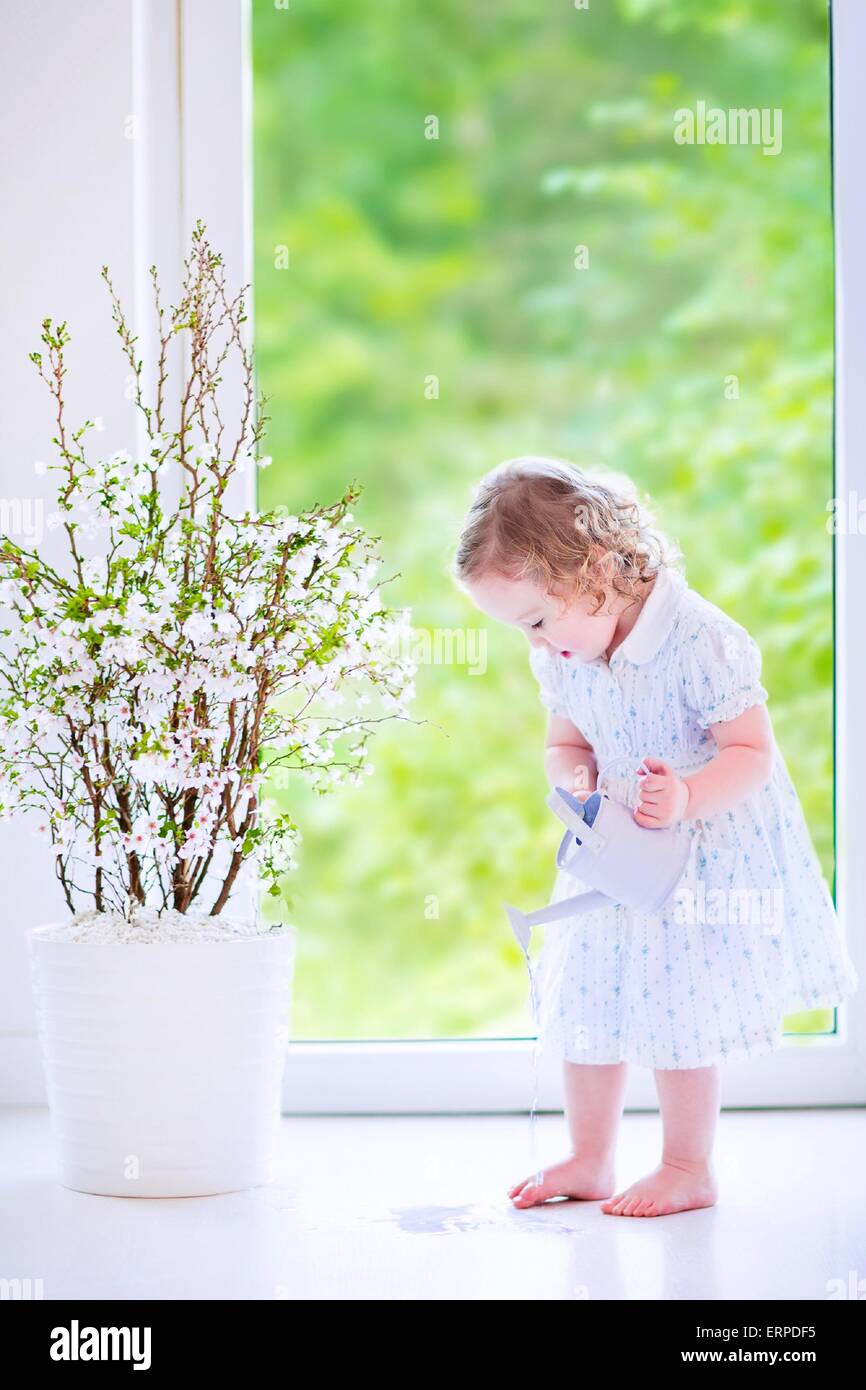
<point x="655" y="619"/>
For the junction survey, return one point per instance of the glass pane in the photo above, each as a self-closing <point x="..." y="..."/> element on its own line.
<point x="423" y="185"/>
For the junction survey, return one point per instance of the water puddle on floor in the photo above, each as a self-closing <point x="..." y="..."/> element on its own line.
<point x="440" y="1220"/>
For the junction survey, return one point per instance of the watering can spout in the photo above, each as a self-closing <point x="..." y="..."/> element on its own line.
<point x="519" y="925"/>
<point x="523" y="922"/>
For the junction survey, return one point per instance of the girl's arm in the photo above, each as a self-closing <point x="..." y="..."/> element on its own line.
<point x="743" y="763"/>
<point x="568" y="759"/>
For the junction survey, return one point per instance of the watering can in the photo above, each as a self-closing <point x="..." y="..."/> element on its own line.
<point x="603" y="845"/>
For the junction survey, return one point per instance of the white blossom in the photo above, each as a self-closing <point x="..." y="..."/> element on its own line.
<point x="175" y="653"/>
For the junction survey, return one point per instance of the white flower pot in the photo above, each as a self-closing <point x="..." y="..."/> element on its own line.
<point x="164" y="1062"/>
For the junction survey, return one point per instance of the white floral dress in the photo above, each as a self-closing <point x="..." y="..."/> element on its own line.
<point x="751" y="933"/>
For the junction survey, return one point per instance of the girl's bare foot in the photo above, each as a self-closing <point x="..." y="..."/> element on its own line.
<point x="585" y="1177"/>
<point x="670" y="1187"/>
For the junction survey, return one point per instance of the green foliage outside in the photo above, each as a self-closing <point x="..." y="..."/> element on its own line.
<point x="454" y="258"/>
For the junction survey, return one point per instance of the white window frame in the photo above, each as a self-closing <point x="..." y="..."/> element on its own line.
<point x="202" y="166"/>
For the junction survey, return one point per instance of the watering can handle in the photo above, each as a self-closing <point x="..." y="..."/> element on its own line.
<point x="611" y="762"/>
<point x="559" y="802"/>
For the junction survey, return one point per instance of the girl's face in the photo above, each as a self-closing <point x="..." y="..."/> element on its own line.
<point x="572" y="631"/>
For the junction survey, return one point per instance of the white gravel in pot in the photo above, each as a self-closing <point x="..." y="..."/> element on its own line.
<point x="152" y="927"/>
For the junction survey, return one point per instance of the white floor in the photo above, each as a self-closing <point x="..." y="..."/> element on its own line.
<point x="416" y="1208"/>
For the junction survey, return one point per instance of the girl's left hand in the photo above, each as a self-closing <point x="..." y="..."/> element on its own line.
<point x="664" y="796"/>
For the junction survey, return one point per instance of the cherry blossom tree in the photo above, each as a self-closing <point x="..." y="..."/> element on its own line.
<point x="150" y="685"/>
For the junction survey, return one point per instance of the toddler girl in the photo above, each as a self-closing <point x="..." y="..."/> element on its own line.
<point x="638" y="671"/>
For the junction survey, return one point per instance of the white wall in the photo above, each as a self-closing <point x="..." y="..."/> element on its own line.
<point x="67" y="183"/>
<point x="92" y="172"/>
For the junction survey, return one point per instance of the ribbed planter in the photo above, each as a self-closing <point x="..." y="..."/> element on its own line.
<point x="164" y="1063"/>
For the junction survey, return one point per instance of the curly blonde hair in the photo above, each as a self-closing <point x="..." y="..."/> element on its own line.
<point x="570" y="531"/>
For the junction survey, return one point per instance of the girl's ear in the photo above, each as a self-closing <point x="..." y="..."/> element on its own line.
<point x="604" y="562"/>
<point x="604" y="565"/>
<point x="559" y="599"/>
<point x="600" y="564"/>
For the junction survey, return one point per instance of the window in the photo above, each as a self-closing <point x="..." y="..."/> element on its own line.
<point x="555" y="273"/>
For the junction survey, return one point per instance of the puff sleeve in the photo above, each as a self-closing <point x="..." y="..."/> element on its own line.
<point x="547" y="670"/>
<point x="722" y="672"/>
